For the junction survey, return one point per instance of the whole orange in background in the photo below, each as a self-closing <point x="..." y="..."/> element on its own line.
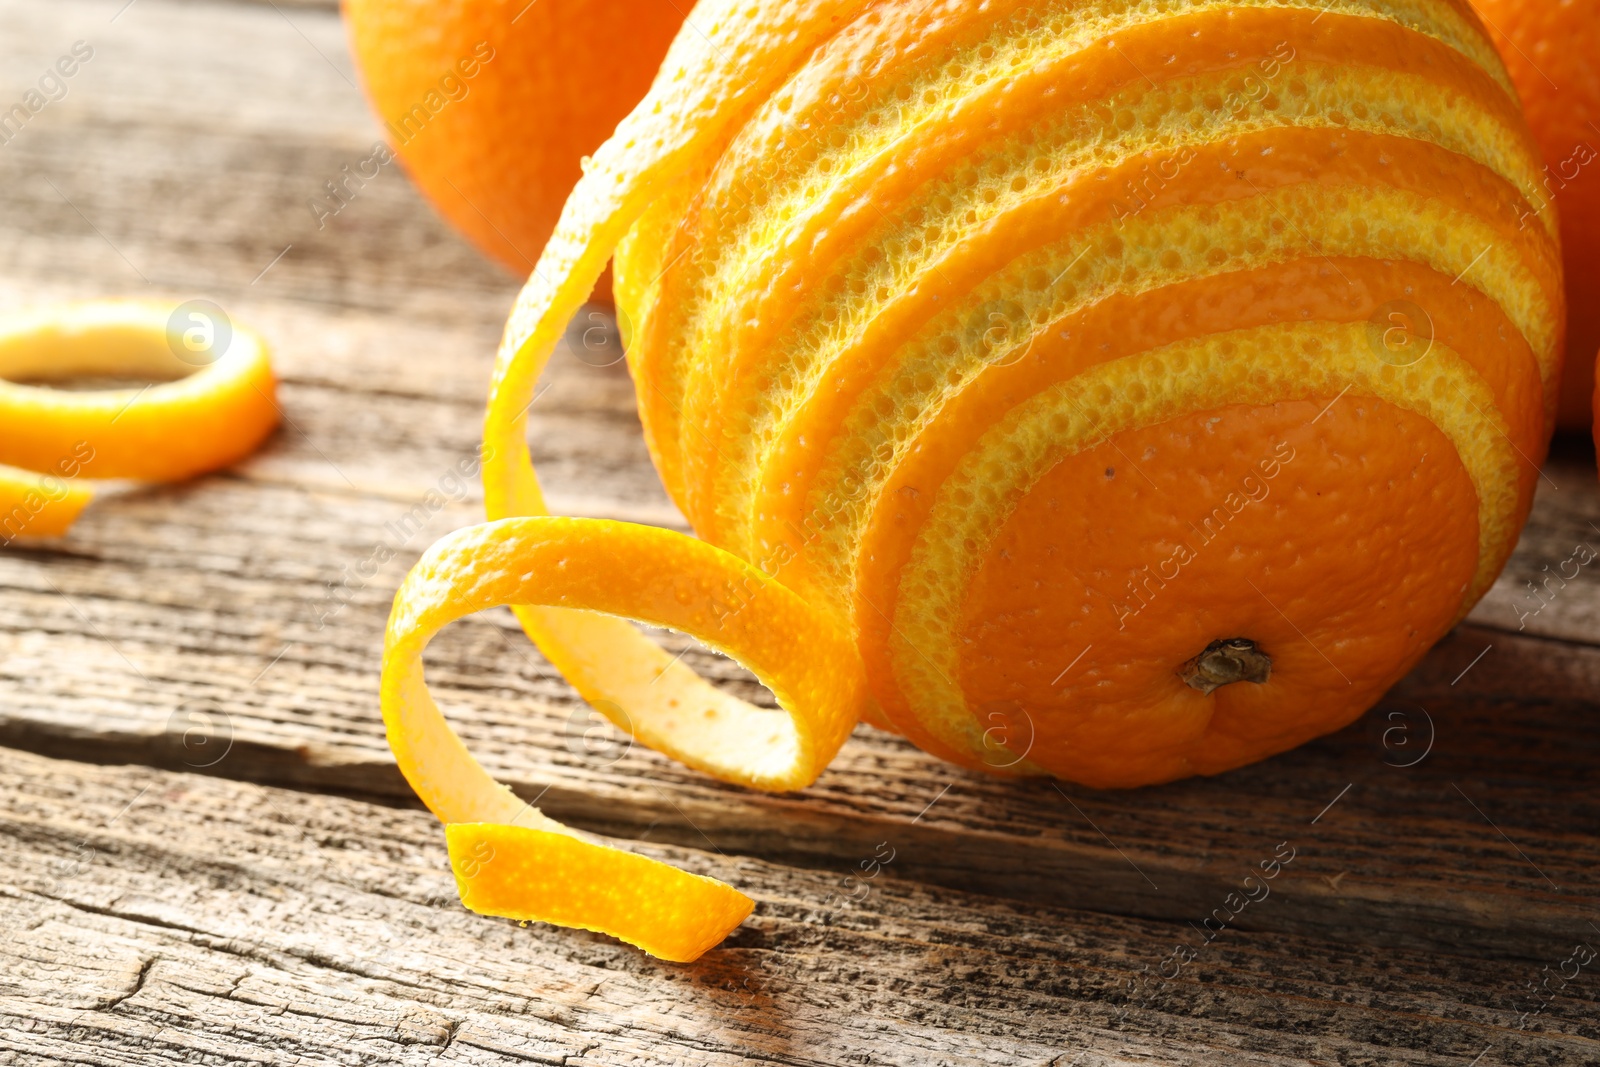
<point x="492" y="104"/>
<point x="1549" y="46"/>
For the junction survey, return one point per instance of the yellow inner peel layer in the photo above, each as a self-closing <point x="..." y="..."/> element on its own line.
<point x="1147" y="252"/>
<point x="762" y="205"/>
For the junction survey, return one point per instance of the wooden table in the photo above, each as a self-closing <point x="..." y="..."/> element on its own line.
<point x="209" y="857"/>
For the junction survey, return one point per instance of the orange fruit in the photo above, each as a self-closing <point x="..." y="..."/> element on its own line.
<point x="1108" y="389"/>
<point x="1549" y="48"/>
<point x="492" y="104"/>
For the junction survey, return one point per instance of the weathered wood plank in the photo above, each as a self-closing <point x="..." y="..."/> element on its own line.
<point x="159" y="918"/>
<point x="192" y="627"/>
<point x="1551" y="588"/>
<point x="184" y="154"/>
<point x="1419" y="864"/>
<point x="171" y="611"/>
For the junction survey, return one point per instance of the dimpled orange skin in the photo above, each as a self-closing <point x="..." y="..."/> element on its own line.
<point x="1549" y="48"/>
<point x="1312" y="541"/>
<point x="498" y="162"/>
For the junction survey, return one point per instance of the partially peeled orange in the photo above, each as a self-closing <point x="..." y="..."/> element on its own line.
<point x="1110" y="390"/>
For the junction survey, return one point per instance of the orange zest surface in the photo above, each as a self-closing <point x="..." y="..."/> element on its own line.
<point x="491" y="104"/>
<point x="191" y="421"/>
<point x="1030" y="359"/>
<point x="1548" y="47"/>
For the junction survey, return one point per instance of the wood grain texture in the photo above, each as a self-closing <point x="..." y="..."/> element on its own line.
<point x="231" y="627"/>
<point x="160" y="918"/>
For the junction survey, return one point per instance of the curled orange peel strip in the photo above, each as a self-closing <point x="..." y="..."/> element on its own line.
<point x="511" y="860"/>
<point x="574" y="583"/>
<point x="200" y="421"/>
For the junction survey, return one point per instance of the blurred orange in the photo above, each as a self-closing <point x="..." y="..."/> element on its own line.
<point x="492" y="104"/>
<point x="1550" y="46"/>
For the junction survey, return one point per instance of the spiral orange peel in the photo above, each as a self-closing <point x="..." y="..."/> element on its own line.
<point x="189" y="422"/>
<point x="546" y="567"/>
<point x="909" y="283"/>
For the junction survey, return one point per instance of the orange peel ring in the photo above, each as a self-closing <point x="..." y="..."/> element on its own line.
<point x="201" y="420"/>
<point x="839" y="113"/>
